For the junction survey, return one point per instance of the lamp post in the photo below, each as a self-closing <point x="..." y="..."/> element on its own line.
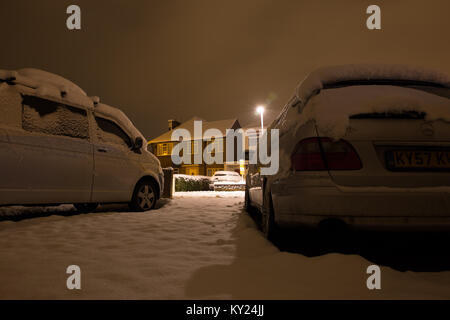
<point x="260" y="110"/>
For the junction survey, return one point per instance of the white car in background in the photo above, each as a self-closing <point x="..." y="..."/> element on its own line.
<point x="361" y="146"/>
<point x="60" y="146"/>
<point x="225" y="177"/>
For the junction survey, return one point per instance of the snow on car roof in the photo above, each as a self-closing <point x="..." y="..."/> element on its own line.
<point x="48" y="84"/>
<point x="317" y="79"/>
<point x="52" y="79"/>
<point x="52" y="85"/>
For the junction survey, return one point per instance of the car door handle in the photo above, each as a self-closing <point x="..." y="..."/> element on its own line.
<point x="102" y="150"/>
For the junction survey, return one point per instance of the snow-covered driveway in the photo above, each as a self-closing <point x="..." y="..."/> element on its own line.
<point x="197" y="245"/>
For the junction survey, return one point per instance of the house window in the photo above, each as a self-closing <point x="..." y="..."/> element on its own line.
<point x="164" y="149"/>
<point x="192" y="171"/>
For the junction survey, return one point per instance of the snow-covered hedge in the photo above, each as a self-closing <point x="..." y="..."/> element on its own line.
<point x="229" y="186"/>
<point x="191" y="183"/>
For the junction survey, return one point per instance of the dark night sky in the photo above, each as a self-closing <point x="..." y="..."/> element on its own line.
<point x="161" y="59"/>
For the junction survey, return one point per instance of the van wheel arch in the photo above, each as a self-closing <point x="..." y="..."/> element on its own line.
<point x="153" y="181"/>
<point x="145" y="195"/>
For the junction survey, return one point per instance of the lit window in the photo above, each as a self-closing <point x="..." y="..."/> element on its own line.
<point x="164" y="149"/>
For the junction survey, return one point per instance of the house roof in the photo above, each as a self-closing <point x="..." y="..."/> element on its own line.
<point x="221" y="125"/>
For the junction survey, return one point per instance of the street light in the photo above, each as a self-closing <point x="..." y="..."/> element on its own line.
<point x="260" y="110"/>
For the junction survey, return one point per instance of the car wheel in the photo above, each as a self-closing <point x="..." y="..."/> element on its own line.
<point x="247" y="206"/>
<point x="144" y="197"/>
<point x="86" y="207"/>
<point x="268" y="225"/>
<point x="246" y="200"/>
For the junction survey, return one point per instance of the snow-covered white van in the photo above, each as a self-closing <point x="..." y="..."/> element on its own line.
<point x="362" y="146"/>
<point x="59" y="146"/>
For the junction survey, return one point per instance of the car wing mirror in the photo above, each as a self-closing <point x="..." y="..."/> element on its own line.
<point x="138" y="143"/>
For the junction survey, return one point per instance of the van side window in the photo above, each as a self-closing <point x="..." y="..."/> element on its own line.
<point x="49" y="117"/>
<point x="10" y="106"/>
<point x="109" y="132"/>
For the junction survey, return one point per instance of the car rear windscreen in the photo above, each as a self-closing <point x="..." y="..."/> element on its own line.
<point x="428" y="87"/>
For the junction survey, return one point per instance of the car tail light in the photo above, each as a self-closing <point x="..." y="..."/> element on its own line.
<point x="340" y="155"/>
<point x="307" y="156"/>
<point x="316" y="154"/>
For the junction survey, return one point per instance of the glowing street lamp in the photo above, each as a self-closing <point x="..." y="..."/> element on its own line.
<point x="260" y="110"/>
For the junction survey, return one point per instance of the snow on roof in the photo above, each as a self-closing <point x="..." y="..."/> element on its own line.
<point x="120" y="117"/>
<point x="221" y="125"/>
<point x="332" y="74"/>
<point x="188" y="125"/>
<point x="188" y="177"/>
<point x="226" y="172"/>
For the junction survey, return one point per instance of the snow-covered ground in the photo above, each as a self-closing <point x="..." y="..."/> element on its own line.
<point x="197" y="245"/>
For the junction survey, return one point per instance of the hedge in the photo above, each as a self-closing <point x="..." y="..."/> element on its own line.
<point x="191" y="183"/>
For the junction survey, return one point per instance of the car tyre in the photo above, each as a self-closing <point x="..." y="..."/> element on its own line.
<point x="247" y="206"/>
<point x="85" y="207"/>
<point x="144" y="196"/>
<point x="268" y="224"/>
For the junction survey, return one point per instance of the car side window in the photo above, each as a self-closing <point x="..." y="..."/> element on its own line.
<point x="53" y="118"/>
<point x="110" y="132"/>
